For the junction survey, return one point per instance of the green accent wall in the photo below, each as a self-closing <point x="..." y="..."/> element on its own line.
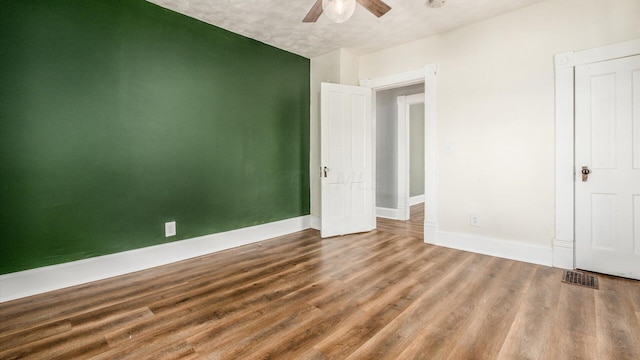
<point x="117" y="116"/>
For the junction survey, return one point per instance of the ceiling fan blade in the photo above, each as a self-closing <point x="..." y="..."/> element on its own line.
<point x="314" y="13"/>
<point x="376" y="7"/>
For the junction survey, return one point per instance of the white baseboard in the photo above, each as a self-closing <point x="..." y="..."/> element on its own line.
<point x="315" y="222"/>
<point x="415" y="200"/>
<point x="429" y="232"/>
<point x="563" y="254"/>
<point x="35" y="281"/>
<point x="495" y="247"/>
<point x="388" y="213"/>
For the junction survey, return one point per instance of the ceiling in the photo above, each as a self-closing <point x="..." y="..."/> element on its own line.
<point x="279" y="22"/>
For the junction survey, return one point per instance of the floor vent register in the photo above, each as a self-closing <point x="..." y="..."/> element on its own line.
<point x="580" y="278"/>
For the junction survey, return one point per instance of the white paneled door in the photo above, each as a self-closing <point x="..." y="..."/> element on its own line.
<point x="607" y="185"/>
<point x="347" y="160"/>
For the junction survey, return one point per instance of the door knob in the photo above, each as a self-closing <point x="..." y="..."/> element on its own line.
<point x="585" y="173"/>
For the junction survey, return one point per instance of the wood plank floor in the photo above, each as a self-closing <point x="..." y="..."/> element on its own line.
<point x="379" y="295"/>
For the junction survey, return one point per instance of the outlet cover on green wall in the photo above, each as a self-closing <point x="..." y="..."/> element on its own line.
<point x="119" y="116"/>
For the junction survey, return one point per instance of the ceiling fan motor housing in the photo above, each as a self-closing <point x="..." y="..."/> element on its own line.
<point x="435" y="3"/>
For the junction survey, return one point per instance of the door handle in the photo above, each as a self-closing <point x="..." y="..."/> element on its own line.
<point x="325" y="170"/>
<point x="585" y="173"/>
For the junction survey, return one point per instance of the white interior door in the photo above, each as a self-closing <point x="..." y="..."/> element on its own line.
<point x="607" y="133"/>
<point x="347" y="160"/>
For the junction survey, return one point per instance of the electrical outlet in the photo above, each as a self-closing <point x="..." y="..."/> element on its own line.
<point x="474" y="220"/>
<point x="170" y="229"/>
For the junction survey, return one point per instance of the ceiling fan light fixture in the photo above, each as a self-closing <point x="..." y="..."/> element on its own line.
<point x="339" y="10"/>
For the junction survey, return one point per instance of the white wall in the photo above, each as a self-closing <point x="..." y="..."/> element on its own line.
<point x="349" y="68"/>
<point x="495" y="105"/>
<point x="416" y="149"/>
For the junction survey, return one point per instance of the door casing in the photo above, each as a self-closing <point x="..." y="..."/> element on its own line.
<point x="565" y="63"/>
<point x="426" y="75"/>
<point x="404" y="103"/>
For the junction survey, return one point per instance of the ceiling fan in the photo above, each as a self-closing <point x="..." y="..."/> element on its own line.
<point x="376" y="7"/>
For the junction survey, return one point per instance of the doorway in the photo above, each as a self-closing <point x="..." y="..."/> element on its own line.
<point x="392" y="150"/>
<point x="426" y="76"/>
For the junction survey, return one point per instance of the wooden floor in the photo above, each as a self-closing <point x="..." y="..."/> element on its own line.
<point x="380" y="295"/>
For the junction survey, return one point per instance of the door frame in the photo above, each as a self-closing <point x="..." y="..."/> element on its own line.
<point x="565" y="63"/>
<point x="426" y="75"/>
<point x="404" y="152"/>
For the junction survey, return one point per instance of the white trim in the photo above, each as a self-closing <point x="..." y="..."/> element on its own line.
<point x="563" y="254"/>
<point x="563" y="244"/>
<point x="415" y="200"/>
<point x="404" y="151"/>
<point x="429" y="231"/>
<point x="394" y="81"/>
<point x="35" y="281"/>
<point x="388" y="213"/>
<point x="609" y="52"/>
<point x="402" y="160"/>
<point x="314" y="222"/>
<point x="564" y="156"/>
<point x="430" y="179"/>
<point x="496" y="247"/>
<point x="428" y="76"/>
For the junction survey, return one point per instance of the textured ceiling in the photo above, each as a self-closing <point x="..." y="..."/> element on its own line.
<point x="279" y="22"/>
